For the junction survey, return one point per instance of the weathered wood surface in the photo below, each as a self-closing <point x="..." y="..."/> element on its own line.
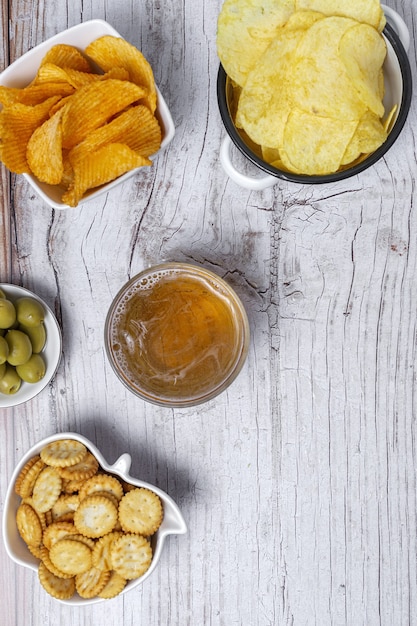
<point x="298" y="484"/>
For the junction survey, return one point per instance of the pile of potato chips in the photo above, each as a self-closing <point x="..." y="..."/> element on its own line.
<point x="84" y="120"/>
<point x="308" y="79"/>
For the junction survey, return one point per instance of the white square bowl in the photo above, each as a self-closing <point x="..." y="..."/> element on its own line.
<point x="172" y="524"/>
<point x="22" y="71"/>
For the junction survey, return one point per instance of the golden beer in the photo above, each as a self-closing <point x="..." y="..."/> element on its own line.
<point x="177" y="334"/>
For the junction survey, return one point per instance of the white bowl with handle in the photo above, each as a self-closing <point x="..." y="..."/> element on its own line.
<point x="172" y="524"/>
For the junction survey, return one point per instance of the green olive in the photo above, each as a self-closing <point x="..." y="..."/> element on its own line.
<point x="20" y="348"/>
<point x="37" y="336"/>
<point x="29" y="311"/>
<point x="33" y="370"/>
<point x="3" y="368"/>
<point x="2" y="294"/>
<point x="7" y="313"/>
<point x="4" y="350"/>
<point x="10" y="382"/>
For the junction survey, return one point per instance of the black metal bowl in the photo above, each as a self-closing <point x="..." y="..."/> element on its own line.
<point x="398" y="84"/>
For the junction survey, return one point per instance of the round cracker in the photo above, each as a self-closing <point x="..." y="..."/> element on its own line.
<point x="140" y="511"/>
<point x="46" y="560"/>
<point x="96" y="516"/>
<point x="56" y="531"/>
<point x="82" y="470"/>
<point x="101" y="483"/>
<point x="114" y="586"/>
<point x="46" y="489"/>
<point x="102" y="550"/>
<point x="60" y="588"/>
<point x="71" y="556"/>
<point x="63" y="452"/>
<point x="27" y="477"/>
<point x="90" y="583"/>
<point x="29" y="525"/>
<point x="131" y="555"/>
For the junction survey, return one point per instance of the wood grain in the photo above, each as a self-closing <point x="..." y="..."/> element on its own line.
<point x="298" y="484"/>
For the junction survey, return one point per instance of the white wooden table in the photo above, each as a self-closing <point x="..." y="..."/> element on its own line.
<point x="298" y="484"/>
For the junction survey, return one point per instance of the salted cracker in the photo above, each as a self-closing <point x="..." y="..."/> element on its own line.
<point x="63" y="452"/>
<point x="140" y="511"/>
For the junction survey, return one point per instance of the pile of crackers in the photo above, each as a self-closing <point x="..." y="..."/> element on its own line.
<point x="89" y="529"/>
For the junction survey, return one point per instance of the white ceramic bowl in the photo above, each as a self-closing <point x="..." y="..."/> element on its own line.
<point x="23" y="70"/>
<point x="172" y="524"/>
<point x="51" y="352"/>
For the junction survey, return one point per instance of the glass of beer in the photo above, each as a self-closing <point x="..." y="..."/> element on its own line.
<point x="177" y="335"/>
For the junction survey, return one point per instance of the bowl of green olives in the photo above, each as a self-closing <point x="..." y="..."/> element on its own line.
<point x="30" y="345"/>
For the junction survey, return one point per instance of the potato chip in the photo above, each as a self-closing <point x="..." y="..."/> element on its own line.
<point x="101" y="167"/>
<point x="33" y="94"/>
<point x="244" y="31"/>
<point x="307" y="148"/>
<point x="52" y="73"/>
<point x="65" y="55"/>
<point x="109" y="52"/>
<point x="362" y="50"/>
<point x="94" y="105"/>
<point x="17" y="123"/>
<point x="369" y="135"/>
<point x="389" y="120"/>
<point x="136" y="127"/>
<point x="365" y="11"/>
<point x="320" y="84"/>
<point x="265" y="101"/>
<point x="44" y="150"/>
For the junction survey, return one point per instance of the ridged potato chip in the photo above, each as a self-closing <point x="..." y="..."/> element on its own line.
<point x="136" y="127"/>
<point x="50" y="73"/>
<point x="68" y="56"/>
<point x="17" y="124"/>
<point x="94" y="105"/>
<point x="109" y="52"/>
<point x="34" y="94"/>
<point x="100" y="167"/>
<point x="44" y="150"/>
